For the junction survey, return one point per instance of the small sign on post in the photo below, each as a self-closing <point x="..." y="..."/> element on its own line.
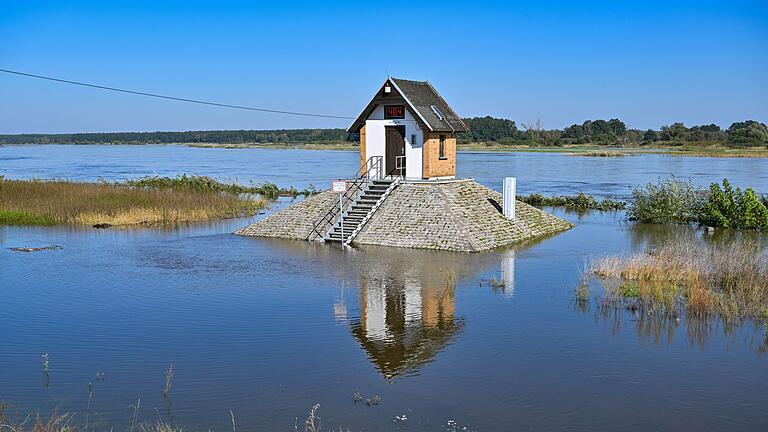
<point x="340" y="187"/>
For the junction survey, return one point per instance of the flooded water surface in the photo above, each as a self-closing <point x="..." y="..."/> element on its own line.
<point x="268" y="328"/>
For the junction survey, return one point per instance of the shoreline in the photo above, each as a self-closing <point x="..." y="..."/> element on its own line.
<point x="571" y="150"/>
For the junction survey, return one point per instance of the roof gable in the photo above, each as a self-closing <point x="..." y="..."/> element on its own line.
<point x="422" y="100"/>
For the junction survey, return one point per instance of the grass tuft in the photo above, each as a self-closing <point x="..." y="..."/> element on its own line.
<point x="728" y="280"/>
<point x="17" y="217"/>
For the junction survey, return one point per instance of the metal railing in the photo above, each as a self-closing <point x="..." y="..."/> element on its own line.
<point x="372" y="170"/>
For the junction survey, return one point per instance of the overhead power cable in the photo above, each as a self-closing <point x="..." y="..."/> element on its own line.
<point x="201" y="102"/>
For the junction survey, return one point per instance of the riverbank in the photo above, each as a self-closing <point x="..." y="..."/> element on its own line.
<point x="35" y="202"/>
<point x="697" y="150"/>
<point x="586" y="150"/>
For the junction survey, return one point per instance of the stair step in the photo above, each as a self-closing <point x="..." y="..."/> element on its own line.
<point x="347" y="227"/>
<point x="369" y="197"/>
<point x="353" y="218"/>
<point x="349" y="223"/>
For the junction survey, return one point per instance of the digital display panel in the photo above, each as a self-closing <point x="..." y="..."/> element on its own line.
<point x="394" y="112"/>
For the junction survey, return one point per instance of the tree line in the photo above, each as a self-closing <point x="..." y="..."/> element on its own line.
<point x="613" y="132"/>
<point x="277" y="136"/>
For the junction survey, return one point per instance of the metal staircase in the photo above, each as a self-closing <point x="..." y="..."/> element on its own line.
<point x="354" y="218"/>
<point x="365" y="193"/>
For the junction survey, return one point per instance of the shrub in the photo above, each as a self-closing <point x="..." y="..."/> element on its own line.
<point x="727" y="207"/>
<point x="672" y="200"/>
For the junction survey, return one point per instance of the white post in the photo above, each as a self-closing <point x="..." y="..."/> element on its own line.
<point x="510" y="196"/>
<point x="341" y="216"/>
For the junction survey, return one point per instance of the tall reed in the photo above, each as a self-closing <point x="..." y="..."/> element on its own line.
<point x="32" y="202"/>
<point x="728" y="279"/>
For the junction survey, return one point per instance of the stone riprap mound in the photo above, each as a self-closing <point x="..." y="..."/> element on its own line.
<point x="456" y="216"/>
<point x="295" y="221"/>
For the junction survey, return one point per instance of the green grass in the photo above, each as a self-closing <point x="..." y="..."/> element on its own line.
<point x="16" y="217"/>
<point x="580" y="201"/>
<point x="207" y="184"/>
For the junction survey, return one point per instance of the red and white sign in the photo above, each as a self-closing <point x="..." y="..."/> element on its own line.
<point x="339" y="186"/>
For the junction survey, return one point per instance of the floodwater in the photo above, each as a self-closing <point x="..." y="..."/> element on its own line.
<point x="267" y="328"/>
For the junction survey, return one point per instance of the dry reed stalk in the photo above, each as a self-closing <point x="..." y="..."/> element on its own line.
<point x="168" y="380"/>
<point x="727" y="279"/>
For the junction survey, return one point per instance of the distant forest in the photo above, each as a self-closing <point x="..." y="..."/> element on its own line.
<point x="613" y="132"/>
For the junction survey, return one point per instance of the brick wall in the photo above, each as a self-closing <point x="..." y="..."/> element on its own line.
<point x="434" y="166"/>
<point x="362" y="149"/>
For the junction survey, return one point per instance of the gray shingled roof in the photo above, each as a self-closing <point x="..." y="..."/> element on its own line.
<point x="424" y="102"/>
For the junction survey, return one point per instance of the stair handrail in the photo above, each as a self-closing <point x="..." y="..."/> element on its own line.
<point x="369" y="171"/>
<point x="353" y="234"/>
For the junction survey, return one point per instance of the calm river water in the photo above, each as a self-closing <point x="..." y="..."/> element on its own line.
<point x="268" y="328"/>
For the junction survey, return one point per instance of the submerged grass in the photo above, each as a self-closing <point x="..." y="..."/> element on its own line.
<point x="601" y="153"/>
<point x="704" y="279"/>
<point x="580" y="201"/>
<point x="31" y="202"/>
<point x="66" y="423"/>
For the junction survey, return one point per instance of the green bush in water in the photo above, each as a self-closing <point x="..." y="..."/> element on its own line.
<point x="675" y="200"/>
<point x="672" y="200"/>
<point x="727" y="207"/>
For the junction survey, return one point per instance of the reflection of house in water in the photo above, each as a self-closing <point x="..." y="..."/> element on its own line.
<point x="406" y="312"/>
<point x="406" y="319"/>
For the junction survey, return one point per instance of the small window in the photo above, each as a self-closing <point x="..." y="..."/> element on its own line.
<point x="413" y="140"/>
<point x="437" y="112"/>
<point x="442" y="146"/>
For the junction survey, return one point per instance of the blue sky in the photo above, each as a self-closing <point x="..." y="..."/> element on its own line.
<point x="649" y="63"/>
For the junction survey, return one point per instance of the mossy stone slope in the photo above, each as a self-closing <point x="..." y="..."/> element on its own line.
<point x="293" y="222"/>
<point x="456" y="216"/>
